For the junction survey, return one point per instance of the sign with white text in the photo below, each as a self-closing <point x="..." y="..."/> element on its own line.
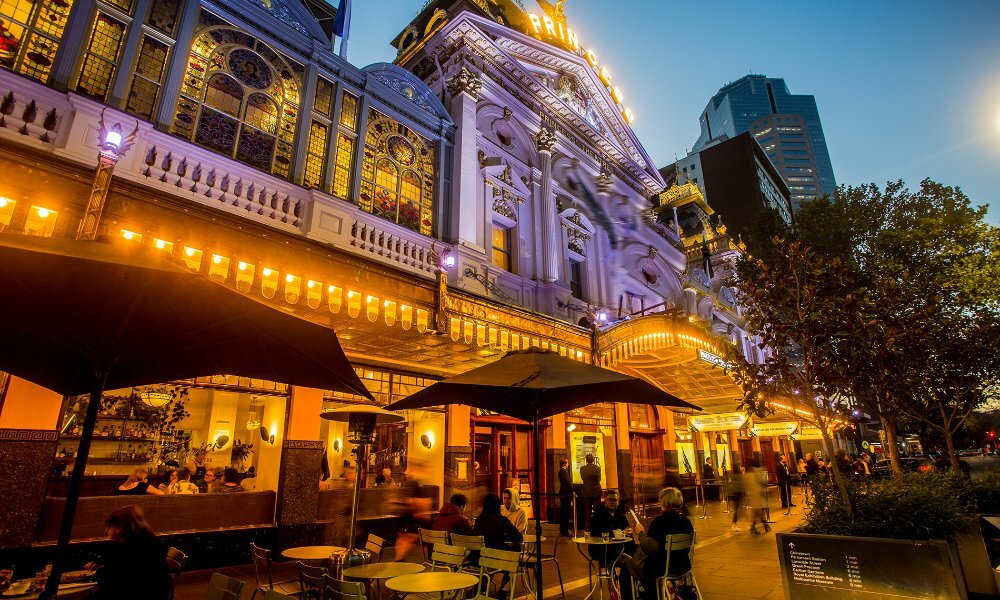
<point x="808" y="432"/>
<point x="719" y="422"/>
<point x="834" y="567"/>
<point x="780" y="428"/>
<point x="714" y="359"/>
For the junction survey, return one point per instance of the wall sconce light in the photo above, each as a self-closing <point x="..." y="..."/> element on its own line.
<point x="265" y="435"/>
<point x="221" y="441"/>
<point x="427" y="440"/>
<point x="571" y="427"/>
<point x="337" y="445"/>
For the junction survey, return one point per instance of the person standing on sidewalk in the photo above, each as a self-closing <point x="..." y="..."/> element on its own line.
<point x="590" y="473"/>
<point x="784" y="483"/>
<point x="565" y="497"/>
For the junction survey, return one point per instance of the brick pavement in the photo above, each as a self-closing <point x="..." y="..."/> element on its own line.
<point x="727" y="564"/>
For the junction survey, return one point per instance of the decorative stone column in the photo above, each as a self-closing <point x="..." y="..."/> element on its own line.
<point x="546" y="141"/>
<point x="300" y="454"/>
<point x="465" y="88"/>
<point x="459" y="475"/>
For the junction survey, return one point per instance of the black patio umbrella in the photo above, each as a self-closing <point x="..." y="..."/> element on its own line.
<point x="80" y="317"/>
<point x="532" y="385"/>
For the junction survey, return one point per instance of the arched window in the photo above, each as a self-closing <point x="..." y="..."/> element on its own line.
<point x="397" y="176"/>
<point x="239" y="98"/>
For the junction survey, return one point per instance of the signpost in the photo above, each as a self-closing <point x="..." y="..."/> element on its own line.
<point x="835" y="567"/>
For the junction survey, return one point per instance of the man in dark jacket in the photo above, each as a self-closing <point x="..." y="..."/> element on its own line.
<point x="565" y="497"/>
<point x="784" y="483"/>
<point x="452" y="517"/>
<point x="812" y="467"/>
<point x="591" y="493"/>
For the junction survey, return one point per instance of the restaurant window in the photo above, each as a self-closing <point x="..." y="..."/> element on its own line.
<point x="30" y="33"/>
<point x="576" y="279"/>
<point x="241" y="99"/>
<point x="397" y="175"/>
<point x="6" y="212"/>
<point x="501" y="247"/>
<point x="641" y="416"/>
<point x="151" y="64"/>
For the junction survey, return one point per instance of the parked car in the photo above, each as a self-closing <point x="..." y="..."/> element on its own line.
<point x="971" y="452"/>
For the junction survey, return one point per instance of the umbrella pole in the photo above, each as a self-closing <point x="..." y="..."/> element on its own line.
<point x="75" y="481"/>
<point x="537" y="501"/>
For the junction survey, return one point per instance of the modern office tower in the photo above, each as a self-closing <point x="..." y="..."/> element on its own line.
<point x="786" y="125"/>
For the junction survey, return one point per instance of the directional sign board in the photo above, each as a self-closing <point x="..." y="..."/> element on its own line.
<point x="841" y="567"/>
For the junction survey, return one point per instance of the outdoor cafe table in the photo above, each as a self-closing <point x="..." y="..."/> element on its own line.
<point x="586" y="540"/>
<point x="436" y="582"/>
<point x="311" y="553"/>
<point x="376" y="571"/>
<point x="67" y="591"/>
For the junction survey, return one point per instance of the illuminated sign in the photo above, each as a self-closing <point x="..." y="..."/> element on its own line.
<point x="781" y="428"/>
<point x="553" y="29"/>
<point x="809" y="433"/>
<point x="714" y="359"/>
<point x="719" y="422"/>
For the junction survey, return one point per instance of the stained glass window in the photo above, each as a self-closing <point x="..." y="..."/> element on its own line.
<point x="315" y="156"/>
<point x="349" y="112"/>
<point x="397" y="174"/>
<point x="101" y="57"/>
<point x="324" y="97"/>
<point x="163" y="16"/>
<point x="243" y="95"/>
<point x="343" y="166"/>
<point x="149" y="68"/>
<point x="30" y="33"/>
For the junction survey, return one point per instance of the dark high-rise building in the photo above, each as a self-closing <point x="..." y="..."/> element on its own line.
<point x="787" y="127"/>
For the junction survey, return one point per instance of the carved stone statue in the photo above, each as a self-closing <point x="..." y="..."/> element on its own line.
<point x="465" y="81"/>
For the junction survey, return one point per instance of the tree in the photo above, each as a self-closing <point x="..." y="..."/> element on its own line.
<point x="804" y="308"/>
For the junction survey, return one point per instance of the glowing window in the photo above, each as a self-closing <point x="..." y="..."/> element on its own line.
<point x="101" y="58"/>
<point x="501" y="247"/>
<point x="343" y="166"/>
<point x="40" y="221"/>
<point x="323" y="104"/>
<point x="31" y="35"/>
<point x="6" y="212"/>
<point x="349" y="112"/>
<point x="148" y="77"/>
<point x="315" y="156"/>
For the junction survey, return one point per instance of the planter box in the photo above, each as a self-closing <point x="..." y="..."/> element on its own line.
<point x="830" y="566"/>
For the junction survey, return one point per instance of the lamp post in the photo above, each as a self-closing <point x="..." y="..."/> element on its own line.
<point x="361" y="421"/>
<point x="112" y="145"/>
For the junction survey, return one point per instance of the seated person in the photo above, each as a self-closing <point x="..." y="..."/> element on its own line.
<point x="136" y="485"/>
<point x="452" y="517"/>
<point x="208" y="482"/>
<point x="497" y="529"/>
<point x="654" y="542"/>
<point x="249" y="481"/>
<point x="135" y="564"/>
<point x="180" y="482"/>
<point x="230" y="482"/>
<point x="607" y="517"/>
<point x="385" y="477"/>
<point x="511" y="508"/>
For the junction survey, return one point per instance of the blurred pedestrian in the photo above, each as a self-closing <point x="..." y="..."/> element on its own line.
<point x="734" y="494"/>
<point x="756" y="491"/>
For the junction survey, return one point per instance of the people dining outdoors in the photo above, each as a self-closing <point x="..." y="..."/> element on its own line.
<point x="135" y="564"/>
<point x="208" y="483"/>
<point x="385" y="477"/>
<point x="180" y="482"/>
<point x="451" y="517"/>
<point x="512" y="509"/>
<point x="497" y="530"/>
<point x="230" y="482"/>
<point x="608" y="517"/>
<point x="654" y="542"/>
<point x="136" y="485"/>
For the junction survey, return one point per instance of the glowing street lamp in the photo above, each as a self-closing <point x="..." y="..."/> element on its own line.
<point x="113" y="144"/>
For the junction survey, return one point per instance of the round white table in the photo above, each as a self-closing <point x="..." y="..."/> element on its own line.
<point x="375" y="572"/>
<point x="311" y="553"/>
<point x="609" y="569"/>
<point x="437" y="582"/>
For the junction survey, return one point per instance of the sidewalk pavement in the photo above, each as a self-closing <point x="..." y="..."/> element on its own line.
<point x="727" y="564"/>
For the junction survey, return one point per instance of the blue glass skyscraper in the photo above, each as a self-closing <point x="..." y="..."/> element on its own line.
<point x="787" y="126"/>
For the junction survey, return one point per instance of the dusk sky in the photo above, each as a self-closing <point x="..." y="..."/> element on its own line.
<point x="906" y="89"/>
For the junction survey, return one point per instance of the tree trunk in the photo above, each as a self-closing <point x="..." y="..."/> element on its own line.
<point x="892" y="448"/>
<point x="838" y="477"/>
<point x="949" y="443"/>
